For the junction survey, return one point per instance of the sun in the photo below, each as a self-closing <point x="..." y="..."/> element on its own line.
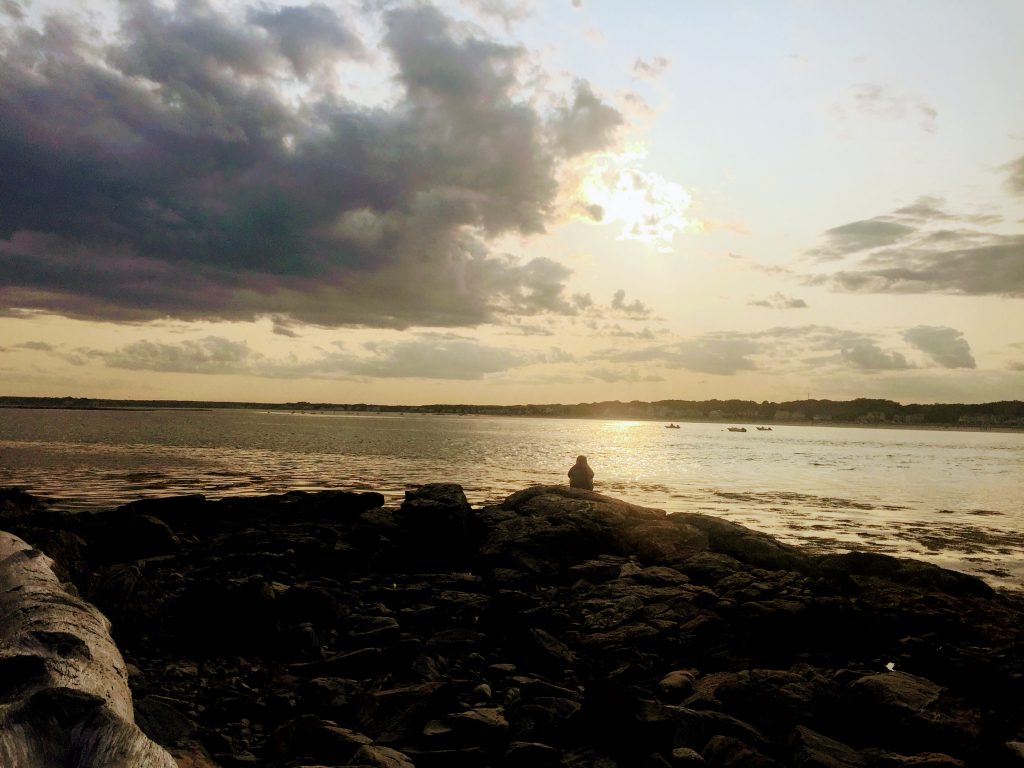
<point x="616" y="188"/>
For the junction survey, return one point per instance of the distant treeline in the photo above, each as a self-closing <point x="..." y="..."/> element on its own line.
<point x="1008" y="413"/>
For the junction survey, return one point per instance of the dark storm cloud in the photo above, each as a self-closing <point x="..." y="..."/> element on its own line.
<point x="165" y="174"/>
<point x="307" y="35"/>
<point x="947" y="347"/>
<point x="923" y="248"/>
<point x="12" y="8"/>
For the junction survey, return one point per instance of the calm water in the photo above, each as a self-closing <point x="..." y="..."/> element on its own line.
<point x="954" y="498"/>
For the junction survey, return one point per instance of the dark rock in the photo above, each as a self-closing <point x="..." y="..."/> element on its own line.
<point x="910" y="712"/>
<point x="303" y="602"/>
<point x="16" y="505"/>
<point x="483" y="726"/>
<point x="397" y="715"/>
<point x="337" y="698"/>
<point x="358" y="665"/>
<point x="530" y="754"/>
<point x="313" y="739"/>
<point x="684" y="757"/>
<point x="587" y="757"/>
<point x="374" y="631"/>
<point x="465" y="757"/>
<point x="373" y="756"/>
<point x="813" y="750"/>
<point x="436" y="521"/>
<point x="562" y="627"/>
<point x="136" y="538"/>
<point x="677" y="685"/>
<point x="546" y="652"/>
<point x="696" y="728"/>
<point x="903" y="571"/>
<point x="728" y="752"/>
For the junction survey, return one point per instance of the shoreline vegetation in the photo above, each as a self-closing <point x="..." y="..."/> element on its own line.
<point x="560" y="628"/>
<point x="1004" y="415"/>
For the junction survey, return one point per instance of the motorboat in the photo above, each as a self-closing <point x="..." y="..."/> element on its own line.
<point x="764" y="429"/>
<point x="737" y="429"/>
<point x="671" y="426"/>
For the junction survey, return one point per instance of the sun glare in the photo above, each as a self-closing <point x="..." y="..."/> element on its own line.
<point x="616" y="188"/>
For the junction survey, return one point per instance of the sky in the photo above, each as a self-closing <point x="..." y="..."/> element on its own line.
<point x="512" y="201"/>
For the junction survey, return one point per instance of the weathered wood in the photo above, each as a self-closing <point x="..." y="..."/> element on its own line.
<point x="64" y="696"/>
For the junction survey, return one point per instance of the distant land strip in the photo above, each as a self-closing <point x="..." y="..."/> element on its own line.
<point x="1006" y="414"/>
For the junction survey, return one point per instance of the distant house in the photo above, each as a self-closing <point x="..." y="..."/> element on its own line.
<point x="789" y="416"/>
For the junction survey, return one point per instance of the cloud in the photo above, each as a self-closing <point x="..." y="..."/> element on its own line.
<point x="1015" y="177"/>
<point x="720" y="355"/>
<point x="634" y="309"/>
<point x="881" y="101"/>
<point x="868" y="356"/>
<point x="945" y="346"/>
<point x="433" y="356"/>
<point x="585" y="125"/>
<point x="12" y="8"/>
<point x="37" y="346"/>
<point x="198" y="166"/>
<point x="210" y="355"/>
<point x="282" y="327"/>
<point x="616" y="376"/>
<point x="508" y="11"/>
<point x="923" y="248"/>
<point x="805" y="349"/>
<point x="993" y="267"/>
<point x="859" y="236"/>
<point x="650" y="69"/>
<point x="618" y="331"/>
<point x="307" y="36"/>
<point x="779" y="301"/>
<point x="465" y="360"/>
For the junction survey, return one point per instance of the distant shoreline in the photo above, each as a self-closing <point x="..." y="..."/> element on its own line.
<point x="395" y="411"/>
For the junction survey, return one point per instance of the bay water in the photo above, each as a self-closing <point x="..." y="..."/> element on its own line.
<point x="952" y="497"/>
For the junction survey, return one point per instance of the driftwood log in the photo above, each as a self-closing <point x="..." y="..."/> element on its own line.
<point x="64" y="696"/>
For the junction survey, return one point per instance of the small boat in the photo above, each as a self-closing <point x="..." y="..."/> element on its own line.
<point x="671" y="426"/>
<point x="764" y="429"/>
<point x="737" y="429"/>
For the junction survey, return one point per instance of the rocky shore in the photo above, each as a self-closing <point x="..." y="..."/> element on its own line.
<point x="561" y="628"/>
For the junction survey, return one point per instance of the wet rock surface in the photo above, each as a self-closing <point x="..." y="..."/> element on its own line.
<point x="561" y="628"/>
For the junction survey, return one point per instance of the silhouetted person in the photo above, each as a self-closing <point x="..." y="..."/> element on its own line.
<point x="581" y="475"/>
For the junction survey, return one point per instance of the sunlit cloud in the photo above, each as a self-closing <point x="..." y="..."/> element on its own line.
<point x="616" y="188"/>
